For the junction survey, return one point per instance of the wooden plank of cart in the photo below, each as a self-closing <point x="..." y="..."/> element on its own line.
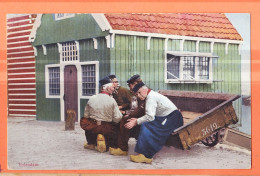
<point x="205" y="115"/>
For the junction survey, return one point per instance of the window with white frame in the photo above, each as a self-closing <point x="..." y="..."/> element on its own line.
<point x="89" y="79"/>
<point x="61" y="16"/>
<point x="69" y="52"/>
<point x="181" y="68"/>
<point x="54" y="80"/>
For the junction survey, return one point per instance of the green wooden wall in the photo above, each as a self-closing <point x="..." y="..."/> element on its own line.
<point x="81" y="26"/>
<point x="101" y="54"/>
<point x="46" y="108"/>
<point x="130" y="56"/>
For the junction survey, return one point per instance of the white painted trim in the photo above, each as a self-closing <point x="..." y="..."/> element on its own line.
<point x="108" y="41"/>
<point x="21" y="57"/>
<point x="22" y="89"/>
<point x="18" y="37"/>
<point x="179" y="37"/>
<point x="21" y="68"/>
<point x="23" y="94"/>
<point x="101" y="20"/>
<point x="27" y="110"/>
<point x="187" y="53"/>
<point x="44" y="50"/>
<point x="212" y="47"/>
<point x="21" y="52"/>
<point x="112" y="40"/>
<point x="95" y="43"/>
<point x="19" y="21"/>
<point x="36" y="25"/>
<point x="13" y="79"/>
<point x="182" y="44"/>
<point x="22" y="104"/>
<point x="148" y="42"/>
<point x="226" y="48"/>
<point x="66" y="15"/>
<point x="19" y="47"/>
<point x="23" y="115"/>
<point x="59" y="48"/>
<point x="20" y="63"/>
<point x="197" y="46"/>
<point x="20" y="31"/>
<point x="35" y="51"/>
<point x="22" y="99"/>
<point x="19" y="42"/>
<point x="26" y="73"/>
<point x="20" y="84"/>
<point x="166" y="44"/>
<point x="47" y="95"/>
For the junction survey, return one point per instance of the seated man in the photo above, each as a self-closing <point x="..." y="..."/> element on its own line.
<point x="137" y="110"/>
<point x="100" y="119"/>
<point x="121" y="95"/>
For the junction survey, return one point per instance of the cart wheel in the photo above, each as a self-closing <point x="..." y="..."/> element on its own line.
<point x="211" y="140"/>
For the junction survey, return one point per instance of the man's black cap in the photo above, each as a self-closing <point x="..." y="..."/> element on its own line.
<point x="104" y="81"/>
<point x="138" y="86"/>
<point x="133" y="79"/>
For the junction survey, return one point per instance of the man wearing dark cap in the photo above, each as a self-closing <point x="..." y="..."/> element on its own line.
<point x="137" y="110"/>
<point x="121" y="95"/>
<point x="100" y="119"/>
<point x="161" y="118"/>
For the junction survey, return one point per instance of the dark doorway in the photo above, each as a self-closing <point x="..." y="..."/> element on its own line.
<point x="71" y="89"/>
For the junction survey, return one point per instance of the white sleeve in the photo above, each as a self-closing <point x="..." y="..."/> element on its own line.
<point x="150" y="111"/>
<point x="117" y="114"/>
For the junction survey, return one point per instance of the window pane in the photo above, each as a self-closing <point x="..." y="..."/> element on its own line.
<point x="88" y="80"/>
<point x="204" y="68"/>
<point x="69" y="51"/>
<point x="54" y="81"/>
<point x="173" y="67"/>
<point x="188" y="67"/>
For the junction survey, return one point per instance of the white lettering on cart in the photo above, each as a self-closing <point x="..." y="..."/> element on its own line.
<point x="209" y="129"/>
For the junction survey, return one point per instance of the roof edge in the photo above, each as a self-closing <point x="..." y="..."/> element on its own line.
<point x="101" y="21"/>
<point x="180" y="37"/>
<point x="36" y="25"/>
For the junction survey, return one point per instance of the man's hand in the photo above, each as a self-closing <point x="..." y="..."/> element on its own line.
<point x="131" y="123"/>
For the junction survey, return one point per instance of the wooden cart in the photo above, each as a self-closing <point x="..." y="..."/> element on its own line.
<point x="205" y="114"/>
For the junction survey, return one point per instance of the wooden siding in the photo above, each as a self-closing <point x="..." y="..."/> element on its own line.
<point x="47" y="108"/>
<point x="81" y="26"/>
<point x="101" y="54"/>
<point x="130" y="56"/>
<point x="20" y="67"/>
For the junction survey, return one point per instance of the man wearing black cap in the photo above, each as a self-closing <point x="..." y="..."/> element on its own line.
<point x="137" y="110"/>
<point x="100" y="118"/>
<point x="161" y="118"/>
<point x="121" y="95"/>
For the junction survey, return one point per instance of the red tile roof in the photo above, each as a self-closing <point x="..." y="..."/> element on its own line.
<point x="207" y="25"/>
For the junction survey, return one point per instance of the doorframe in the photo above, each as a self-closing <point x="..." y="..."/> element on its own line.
<point x="79" y="78"/>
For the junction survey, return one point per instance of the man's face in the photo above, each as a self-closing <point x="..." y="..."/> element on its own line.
<point x="115" y="82"/>
<point x="132" y="85"/>
<point x="141" y="93"/>
<point x="110" y="89"/>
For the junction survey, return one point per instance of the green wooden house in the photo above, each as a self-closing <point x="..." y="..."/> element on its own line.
<point x="194" y="52"/>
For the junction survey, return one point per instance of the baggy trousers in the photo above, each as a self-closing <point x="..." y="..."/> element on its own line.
<point x="154" y="134"/>
<point x="110" y="130"/>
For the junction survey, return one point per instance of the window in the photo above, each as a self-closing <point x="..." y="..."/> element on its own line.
<point x="188" y="68"/>
<point x="61" y="16"/>
<point x="88" y="80"/>
<point x="69" y="52"/>
<point x="54" y="80"/>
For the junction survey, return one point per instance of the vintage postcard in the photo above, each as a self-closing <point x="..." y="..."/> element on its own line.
<point x="64" y="67"/>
